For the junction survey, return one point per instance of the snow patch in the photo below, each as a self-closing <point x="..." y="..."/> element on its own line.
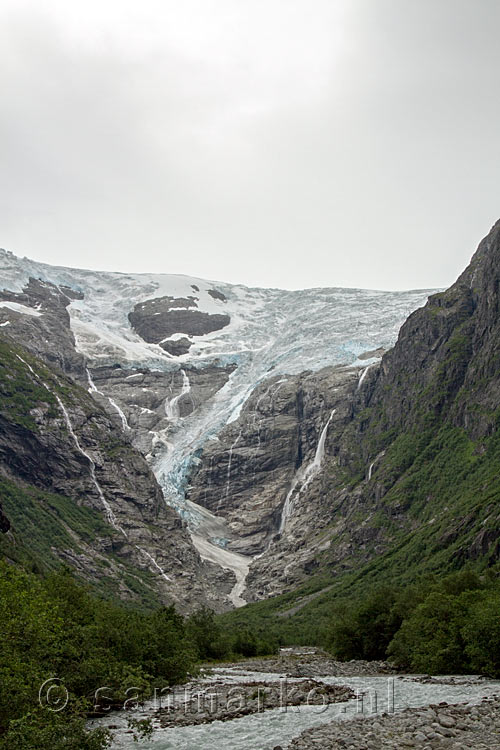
<point x="24" y="309"/>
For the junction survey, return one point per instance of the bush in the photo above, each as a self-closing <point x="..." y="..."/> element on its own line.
<point x="44" y="730"/>
<point x="364" y="630"/>
<point x="481" y="635"/>
<point x="54" y="628"/>
<point x="430" y="640"/>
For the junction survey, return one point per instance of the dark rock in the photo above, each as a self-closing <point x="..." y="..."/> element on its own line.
<point x="4" y="522"/>
<point x="443" y="368"/>
<point x="112" y="479"/>
<point x="217" y="295"/>
<point x="372" y="353"/>
<point x="71" y="293"/>
<point x="177" y="347"/>
<point x="157" y="319"/>
<point x="247" y="473"/>
<point x="49" y="335"/>
<point x="143" y="395"/>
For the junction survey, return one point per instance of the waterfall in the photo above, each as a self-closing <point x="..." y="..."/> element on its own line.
<point x="315" y="466"/>
<point x="259" y="442"/>
<point x="151" y="558"/>
<point x="305" y="476"/>
<point x="287" y="506"/>
<point x="110" y="516"/>
<point x="172" y="405"/>
<point x="229" y="464"/>
<point x="372" y="465"/>
<point x="107" y="508"/>
<point x="363" y="375"/>
<point x="93" y="389"/>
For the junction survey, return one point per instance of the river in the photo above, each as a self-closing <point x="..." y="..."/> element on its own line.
<point x="265" y="730"/>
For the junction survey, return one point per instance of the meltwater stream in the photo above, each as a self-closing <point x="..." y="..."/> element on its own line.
<point x="265" y="730"/>
<point x="108" y="512"/>
<point x="304" y="477"/>
<point x="271" y="332"/>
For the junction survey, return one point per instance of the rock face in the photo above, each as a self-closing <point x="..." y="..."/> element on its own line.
<point x="246" y="475"/>
<point x="275" y="476"/>
<point x="177" y="347"/>
<point x="38" y="317"/>
<point x="157" y="319"/>
<point x="216" y="294"/>
<point x="237" y="423"/>
<point x="448" y="352"/>
<point x="147" y="404"/>
<point x="54" y="437"/>
<point x="408" y="444"/>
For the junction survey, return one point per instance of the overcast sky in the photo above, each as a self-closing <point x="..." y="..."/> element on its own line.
<point x="289" y="143"/>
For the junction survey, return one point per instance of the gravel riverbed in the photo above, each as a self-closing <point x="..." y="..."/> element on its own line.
<point x="437" y="726"/>
<point x="328" y="704"/>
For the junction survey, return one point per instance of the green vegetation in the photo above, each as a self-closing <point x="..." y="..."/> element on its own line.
<point x="53" y="628"/>
<point x="430" y="601"/>
<point x="20" y="391"/>
<point x="447" y="626"/>
<point x="439" y="513"/>
<point x="44" y="522"/>
<point x="47" y="527"/>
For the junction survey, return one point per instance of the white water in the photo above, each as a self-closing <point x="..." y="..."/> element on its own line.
<point x="363" y="375"/>
<point x="172" y="405"/>
<point x="110" y="516"/>
<point x="370" y="470"/>
<point x="287" y="505"/>
<point x="304" y="477"/>
<point x="272" y="332"/>
<point x="93" y="389"/>
<point x="155" y="564"/>
<point x="265" y="730"/>
<point x="230" y="462"/>
<point x="107" y="508"/>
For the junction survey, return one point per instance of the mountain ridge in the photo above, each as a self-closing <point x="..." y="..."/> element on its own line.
<point x="169" y="392"/>
<point x="410" y="486"/>
<point x="284" y="472"/>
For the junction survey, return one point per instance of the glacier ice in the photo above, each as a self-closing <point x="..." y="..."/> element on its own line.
<point x="272" y="332"/>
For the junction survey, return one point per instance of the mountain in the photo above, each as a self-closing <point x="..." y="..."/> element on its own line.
<point x="73" y="490"/>
<point x="220" y="400"/>
<point x="409" y="483"/>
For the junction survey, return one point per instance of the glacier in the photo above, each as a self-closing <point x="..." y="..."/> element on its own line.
<point x="271" y="332"/>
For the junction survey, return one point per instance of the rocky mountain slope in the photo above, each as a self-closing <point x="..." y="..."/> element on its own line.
<point x="283" y="429"/>
<point x="73" y="489"/>
<point x="410" y="466"/>
<point x="220" y="387"/>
